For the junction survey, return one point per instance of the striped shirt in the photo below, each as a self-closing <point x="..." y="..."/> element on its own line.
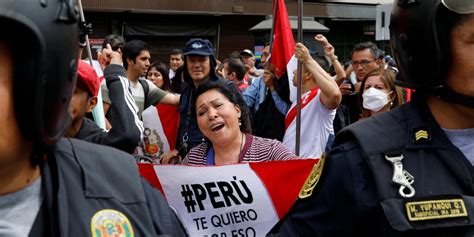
<point x="258" y="150"/>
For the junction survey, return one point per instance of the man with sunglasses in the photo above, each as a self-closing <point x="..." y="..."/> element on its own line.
<point x="407" y="172"/>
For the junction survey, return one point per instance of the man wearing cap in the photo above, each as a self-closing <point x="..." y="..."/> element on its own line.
<point x="199" y="65"/>
<point x="252" y="72"/>
<point x="125" y="135"/>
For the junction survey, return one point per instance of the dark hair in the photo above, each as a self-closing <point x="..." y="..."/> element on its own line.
<point x="237" y="66"/>
<point x="234" y="54"/>
<point x="115" y="41"/>
<point x="387" y="76"/>
<point x="161" y="67"/>
<point x="223" y="87"/>
<point x="374" y="50"/>
<point x="132" y="49"/>
<point x="176" y="51"/>
<point x="323" y="62"/>
<point x="177" y="80"/>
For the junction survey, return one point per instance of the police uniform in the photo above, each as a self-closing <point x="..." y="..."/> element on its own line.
<point x="93" y="190"/>
<point x="356" y="196"/>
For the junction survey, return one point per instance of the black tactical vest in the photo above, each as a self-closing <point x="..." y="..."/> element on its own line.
<point x="440" y="175"/>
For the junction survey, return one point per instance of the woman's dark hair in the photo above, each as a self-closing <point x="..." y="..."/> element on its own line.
<point x="224" y="87"/>
<point x="387" y="76"/>
<point x="161" y="67"/>
<point x="177" y="80"/>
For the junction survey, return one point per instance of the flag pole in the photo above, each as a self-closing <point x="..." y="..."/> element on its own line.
<point x="83" y="19"/>
<point x="298" y="89"/>
<point x="275" y="6"/>
<point x="98" y="112"/>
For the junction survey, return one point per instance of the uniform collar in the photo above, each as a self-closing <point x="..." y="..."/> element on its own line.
<point x="423" y="130"/>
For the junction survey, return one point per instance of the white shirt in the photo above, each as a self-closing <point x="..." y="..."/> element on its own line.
<point x="316" y="126"/>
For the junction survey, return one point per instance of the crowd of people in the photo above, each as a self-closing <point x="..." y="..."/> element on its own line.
<point x="205" y="111"/>
<point x="332" y="95"/>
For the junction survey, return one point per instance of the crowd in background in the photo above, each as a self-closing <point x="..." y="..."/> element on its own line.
<point x="334" y="95"/>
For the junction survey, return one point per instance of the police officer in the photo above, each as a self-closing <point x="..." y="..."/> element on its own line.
<point x="51" y="186"/>
<point x="409" y="171"/>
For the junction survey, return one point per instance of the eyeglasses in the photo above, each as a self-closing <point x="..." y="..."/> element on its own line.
<point x="363" y="63"/>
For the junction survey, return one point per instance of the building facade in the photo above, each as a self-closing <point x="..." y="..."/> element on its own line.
<point x="168" y="24"/>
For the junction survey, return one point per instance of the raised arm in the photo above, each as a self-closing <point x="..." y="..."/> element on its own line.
<point x="330" y="53"/>
<point x="330" y="93"/>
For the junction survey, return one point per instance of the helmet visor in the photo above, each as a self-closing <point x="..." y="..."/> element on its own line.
<point x="459" y="6"/>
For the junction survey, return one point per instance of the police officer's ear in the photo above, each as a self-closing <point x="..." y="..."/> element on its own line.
<point x="91" y="103"/>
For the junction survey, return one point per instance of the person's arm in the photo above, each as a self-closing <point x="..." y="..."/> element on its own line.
<point x="281" y="105"/>
<point x="250" y="94"/>
<point x="340" y="72"/>
<point x="329" y="51"/>
<point x="330" y="93"/>
<point x="127" y="127"/>
<point x="170" y="99"/>
<point x="157" y="95"/>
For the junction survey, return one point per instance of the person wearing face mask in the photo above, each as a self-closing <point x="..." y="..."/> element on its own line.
<point x="379" y="93"/>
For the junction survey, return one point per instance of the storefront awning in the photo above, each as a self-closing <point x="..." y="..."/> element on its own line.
<point x="309" y="25"/>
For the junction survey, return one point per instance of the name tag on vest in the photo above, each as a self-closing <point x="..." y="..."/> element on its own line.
<point x="435" y="209"/>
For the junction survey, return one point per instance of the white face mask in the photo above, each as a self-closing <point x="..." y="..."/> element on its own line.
<point x="374" y="99"/>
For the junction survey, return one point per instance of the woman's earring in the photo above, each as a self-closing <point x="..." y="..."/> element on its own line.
<point x="240" y="123"/>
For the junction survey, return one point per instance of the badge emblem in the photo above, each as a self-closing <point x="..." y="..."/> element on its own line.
<point x="152" y="144"/>
<point x="196" y="45"/>
<point x="312" y="179"/>
<point x="421" y="135"/>
<point x="110" y="222"/>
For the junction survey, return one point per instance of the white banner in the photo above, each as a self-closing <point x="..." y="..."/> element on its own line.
<point x="218" y="201"/>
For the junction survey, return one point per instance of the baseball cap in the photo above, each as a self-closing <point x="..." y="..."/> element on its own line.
<point x="88" y="78"/>
<point x="199" y="46"/>
<point x="247" y="51"/>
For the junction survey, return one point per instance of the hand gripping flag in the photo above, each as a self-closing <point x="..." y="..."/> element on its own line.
<point x="242" y="199"/>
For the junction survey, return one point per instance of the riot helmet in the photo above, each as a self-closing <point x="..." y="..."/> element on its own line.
<point x="420" y="41"/>
<point x="43" y="37"/>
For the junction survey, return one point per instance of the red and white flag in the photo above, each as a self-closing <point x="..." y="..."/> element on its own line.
<point x="283" y="49"/>
<point x="161" y="128"/>
<point x="232" y="200"/>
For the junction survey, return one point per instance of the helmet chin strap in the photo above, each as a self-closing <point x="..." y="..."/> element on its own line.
<point x="447" y="94"/>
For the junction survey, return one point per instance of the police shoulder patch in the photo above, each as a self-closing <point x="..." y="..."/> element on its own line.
<point x="108" y="222"/>
<point x="312" y="179"/>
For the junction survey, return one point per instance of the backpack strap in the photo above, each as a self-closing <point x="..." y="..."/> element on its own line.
<point x="379" y="134"/>
<point x="146" y="90"/>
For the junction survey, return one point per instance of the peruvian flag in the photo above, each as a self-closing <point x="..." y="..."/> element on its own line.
<point x="245" y="199"/>
<point x="161" y="128"/>
<point x="283" y="48"/>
